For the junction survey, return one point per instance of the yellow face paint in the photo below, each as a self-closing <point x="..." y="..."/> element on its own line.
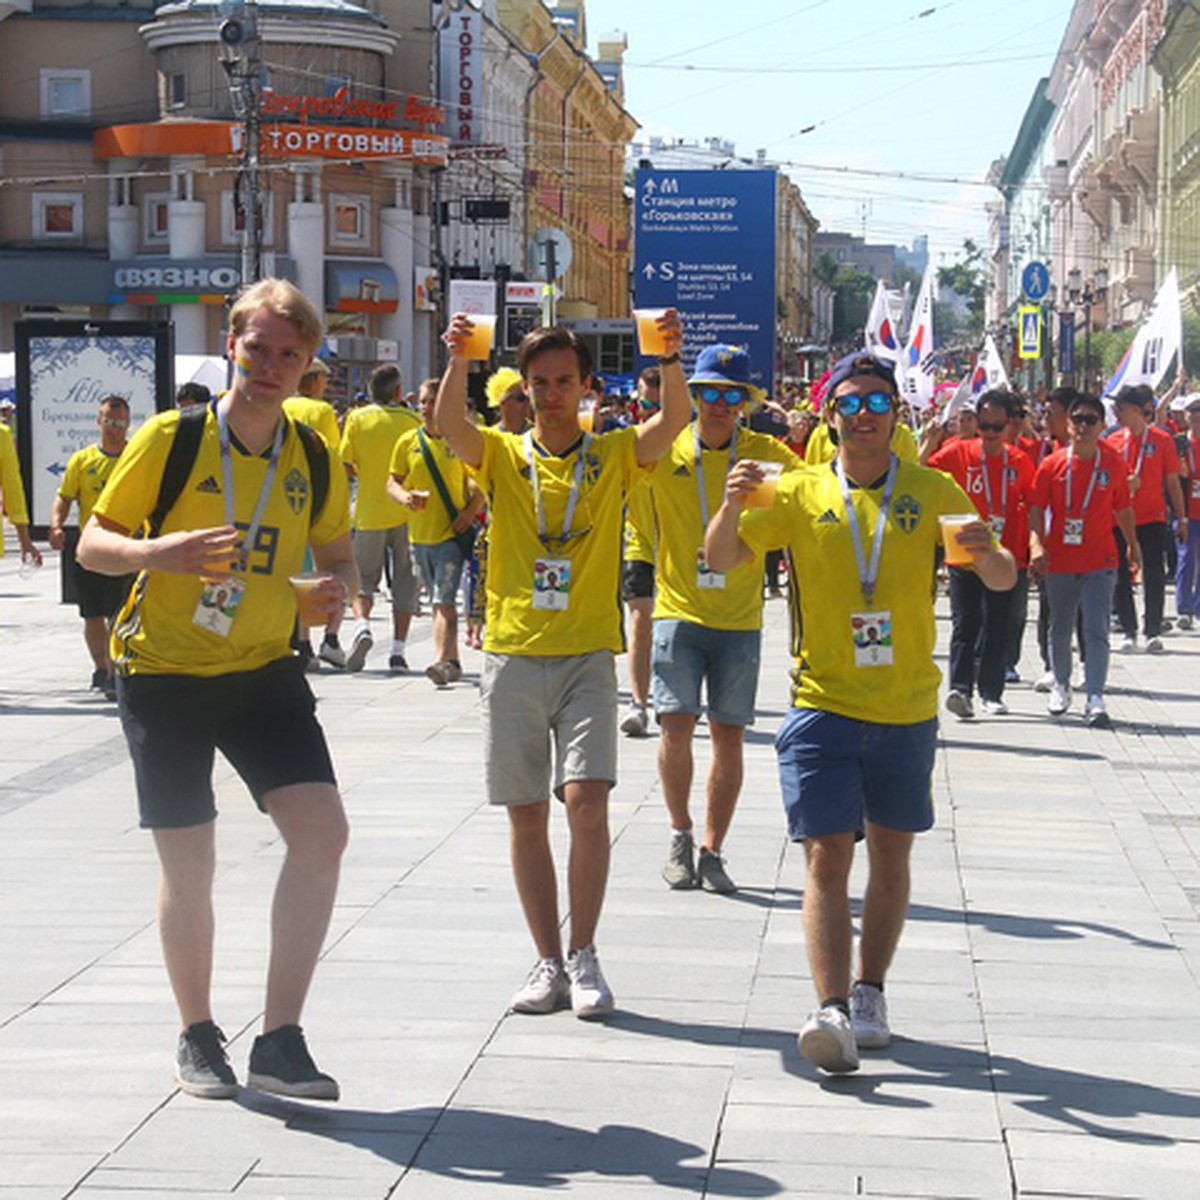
<point x="243" y="365"/>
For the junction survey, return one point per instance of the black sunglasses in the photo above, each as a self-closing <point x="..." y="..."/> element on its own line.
<point x="851" y="404"/>
<point x="1083" y="418"/>
<point x="991" y="426"/>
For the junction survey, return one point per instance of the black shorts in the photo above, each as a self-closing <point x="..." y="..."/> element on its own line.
<point x="263" y="721"/>
<point x="99" y="595"/>
<point x="637" y="580"/>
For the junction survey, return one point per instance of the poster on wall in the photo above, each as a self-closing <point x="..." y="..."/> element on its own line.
<point x="64" y="369"/>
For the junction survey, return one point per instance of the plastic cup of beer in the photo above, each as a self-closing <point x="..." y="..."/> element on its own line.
<point x="956" y="554"/>
<point x="587" y="415"/>
<point x="651" y="342"/>
<point x="421" y="496"/>
<point x="763" y="495"/>
<point x="478" y="345"/>
<point x="304" y="587"/>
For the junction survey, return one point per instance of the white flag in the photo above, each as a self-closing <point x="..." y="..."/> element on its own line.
<point x="989" y="370"/>
<point x="880" y="334"/>
<point x="1158" y="341"/>
<point x="961" y="397"/>
<point x="915" y="367"/>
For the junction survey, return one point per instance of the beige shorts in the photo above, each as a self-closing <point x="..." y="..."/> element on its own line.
<point x="548" y="710"/>
<point x="371" y="548"/>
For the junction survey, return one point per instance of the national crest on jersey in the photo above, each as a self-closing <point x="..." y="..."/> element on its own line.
<point x="907" y="511"/>
<point x="295" y="488"/>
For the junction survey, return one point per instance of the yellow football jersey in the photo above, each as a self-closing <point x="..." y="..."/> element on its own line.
<point x="809" y="519"/>
<point x="820" y="448"/>
<point x="518" y="620"/>
<point x="681" y="527"/>
<point x="87" y="472"/>
<point x="316" y="414"/>
<point x="155" y="632"/>
<point x="641" y="531"/>
<point x="368" y="440"/>
<point x="429" y="525"/>
<point x="10" y="482"/>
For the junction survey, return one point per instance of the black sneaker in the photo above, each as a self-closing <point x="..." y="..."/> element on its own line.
<point x="99" y="675"/>
<point x="201" y="1064"/>
<point x="280" y="1063"/>
<point x="109" y="687"/>
<point x="398" y="664"/>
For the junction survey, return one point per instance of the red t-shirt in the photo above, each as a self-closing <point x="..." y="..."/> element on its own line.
<point x="964" y="461"/>
<point x="1152" y="468"/>
<point x="1028" y="446"/>
<point x="1098" y="549"/>
<point x="1189" y="461"/>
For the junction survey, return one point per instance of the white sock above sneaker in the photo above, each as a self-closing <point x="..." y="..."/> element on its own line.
<point x="398" y="646"/>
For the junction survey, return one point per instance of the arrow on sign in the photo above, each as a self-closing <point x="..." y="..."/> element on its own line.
<point x="649" y="271"/>
<point x="651" y="186"/>
<point x="56" y="469"/>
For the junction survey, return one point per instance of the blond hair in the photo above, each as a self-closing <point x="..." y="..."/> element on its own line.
<point x="285" y="300"/>
<point x="500" y="384"/>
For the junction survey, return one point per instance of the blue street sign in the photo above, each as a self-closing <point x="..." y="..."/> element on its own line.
<point x="1035" y="281"/>
<point x="705" y="244"/>
<point x="1066" y="343"/>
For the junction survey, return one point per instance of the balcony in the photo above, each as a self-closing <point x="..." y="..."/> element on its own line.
<point x="1139" y="148"/>
<point x="1094" y="193"/>
<point x="1136" y="278"/>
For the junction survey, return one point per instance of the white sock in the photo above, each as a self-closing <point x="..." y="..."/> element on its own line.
<point x="362" y="625"/>
<point x="398" y="646"/>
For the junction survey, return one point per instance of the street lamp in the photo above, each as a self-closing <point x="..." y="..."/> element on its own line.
<point x="1093" y="290"/>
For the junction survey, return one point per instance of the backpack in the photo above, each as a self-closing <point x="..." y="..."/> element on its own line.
<point x="186" y="446"/>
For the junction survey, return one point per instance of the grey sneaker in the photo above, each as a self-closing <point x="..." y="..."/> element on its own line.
<point x="636" y="722"/>
<point x="960" y="705"/>
<point x="201" y="1064"/>
<point x="332" y="652"/>
<point x="827" y="1041"/>
<point x="1154" y="645"/>
<point x="453" y="669"/>
<point x="591" y="997"/>
<point x="546" y="989"/>
<point x="360" y="647"/>
<point x="280" y="1063"/>
<point x="679" y="871"/>
<point x="439" y="673"/>
<point x="868" y="1017"/>
<point x="711" y="873"/>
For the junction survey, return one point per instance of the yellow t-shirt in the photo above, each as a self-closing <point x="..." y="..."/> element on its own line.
<point x="429" y="525"/>
<point x="87" y="472"/>
<point x="592" y="619"/>
<point x="820" y="448"/>
<point x="10" y="482"/>
<point x="737" y="605"/>
<point x="641" y="530"/>
<point x="155" y="632"/>
<point x="809" y="519"/>
<point x="316" y="414"/>
<point x="367" y="443"/>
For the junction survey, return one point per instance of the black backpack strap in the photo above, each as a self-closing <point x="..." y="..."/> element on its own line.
<point x="180" y="460"/>
<point x="317" y="453"/>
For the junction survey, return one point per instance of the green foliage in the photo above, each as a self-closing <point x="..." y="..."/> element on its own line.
<point x="851" y="303"/>
<point x="965" y="278"/>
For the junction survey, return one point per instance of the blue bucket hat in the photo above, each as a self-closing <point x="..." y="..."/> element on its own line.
<point x="728" y="365"/>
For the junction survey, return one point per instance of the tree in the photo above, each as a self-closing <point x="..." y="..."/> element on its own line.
<point x="965" y="278"/>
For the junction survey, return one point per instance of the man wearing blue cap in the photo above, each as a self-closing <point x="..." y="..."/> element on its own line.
<point x="707" y="624"/>
<point x="856" y="750"/>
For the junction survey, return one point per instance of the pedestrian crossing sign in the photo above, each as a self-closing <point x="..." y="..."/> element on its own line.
<point x="1031" y="331"/>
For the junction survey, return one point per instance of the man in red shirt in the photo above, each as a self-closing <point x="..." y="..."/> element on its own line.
<point x="1085" y="490"/>
<point x="998" y="478"/>
<point x="1187" y="576"/>
<point x="1151" y="463"/>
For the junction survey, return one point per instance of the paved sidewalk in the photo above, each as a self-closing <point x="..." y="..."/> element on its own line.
<point x="1045" y="994"/>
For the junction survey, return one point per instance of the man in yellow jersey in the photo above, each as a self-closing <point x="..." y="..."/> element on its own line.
<point x="310" y="406"/>
<point x="98" y="596"/>
<point x="553" y="625"/>
<point x="204" y="662"/>
<point x="506" y="394"/>
<point x="12" y="491"/>
<point x="380" y="530"/>
<point x="856" y="750"/>
<point x="438" y="515"/>
<point x="637" y="574"/>
<point x="707" y="623"/>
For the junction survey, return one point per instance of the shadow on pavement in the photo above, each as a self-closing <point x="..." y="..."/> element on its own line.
<point x="1015" y="925"/>
<point x="994" y="747"/>
<point x="478" y="1146"/>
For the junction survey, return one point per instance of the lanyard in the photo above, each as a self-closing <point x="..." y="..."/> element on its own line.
<point x="260" y="505"/>
<point x="868" y="573"/>
<point x="1141" y="458"/>
<point x="987" y="483"/>
<point x="1191" y="453"/>
<point x="1087" y="499"/>
<point x="535" y="484"/>
<point x="704" y="510"/>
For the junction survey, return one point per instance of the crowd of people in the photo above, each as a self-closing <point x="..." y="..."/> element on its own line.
<point x="691" y="508"/>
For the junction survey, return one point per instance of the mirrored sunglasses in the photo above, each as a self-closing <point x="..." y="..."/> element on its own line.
<point x="114" y="422"/>
<point x="851" y="404"/>
<point x="731" y="395"/>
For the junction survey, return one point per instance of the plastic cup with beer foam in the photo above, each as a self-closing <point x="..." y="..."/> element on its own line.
<point x="651" y="341"/>
<point x="957" y="555"/>
<point x="478" y="345"/>
<point x="304" y="588"/>
<point x="763" y="495"/>
<point x="587" y="414"/>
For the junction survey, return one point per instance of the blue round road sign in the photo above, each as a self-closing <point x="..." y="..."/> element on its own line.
<point x="1035" y="280"/>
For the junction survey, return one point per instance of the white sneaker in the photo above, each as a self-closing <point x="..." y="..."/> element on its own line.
<point x="360" y="647"/>
<point x="959" y="705"/>
<point x="636" y="722"/>
<point x="995" y="708"/>
<point x="1060" y="700"/>
<point x="1128" y="645"/>
<point x="827" y="1041"/>
<point x="332" y="653"/>
<point x="868" y="1017"/>
<point x="591" y="997"/>
<point x="546" y="989"/>
<point x="1096" y="714"/>
<point x="1154" y="645"/>
<point x="1044" y="683"/>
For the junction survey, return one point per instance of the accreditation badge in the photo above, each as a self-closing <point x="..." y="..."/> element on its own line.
<point x="1196" y="487"/>
<point x="1072" y="531"/>
<point x="552" y="583"/>
<point x="705" y="577"/>
<point x="872" y="636"/>
<point x="219" y="604"/>
<point x="996" y="524"/>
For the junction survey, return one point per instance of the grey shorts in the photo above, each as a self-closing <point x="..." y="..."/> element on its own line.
<point x="372" y="547"/>
<point x="548" y="711"/>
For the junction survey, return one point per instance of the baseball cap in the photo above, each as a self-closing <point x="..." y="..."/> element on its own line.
<point x="859" y="363"/>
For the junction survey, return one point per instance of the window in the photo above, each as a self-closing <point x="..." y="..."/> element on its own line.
<point x="57" y="216"/>
<point x="155" y="216"/>
<point x="232" y="223"/>
<point x="176" y="89"/>
<point x="348" y="220"/>
<point x="66" y="93"/>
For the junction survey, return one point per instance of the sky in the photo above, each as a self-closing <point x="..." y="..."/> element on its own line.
<point x="886" y="113"/>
